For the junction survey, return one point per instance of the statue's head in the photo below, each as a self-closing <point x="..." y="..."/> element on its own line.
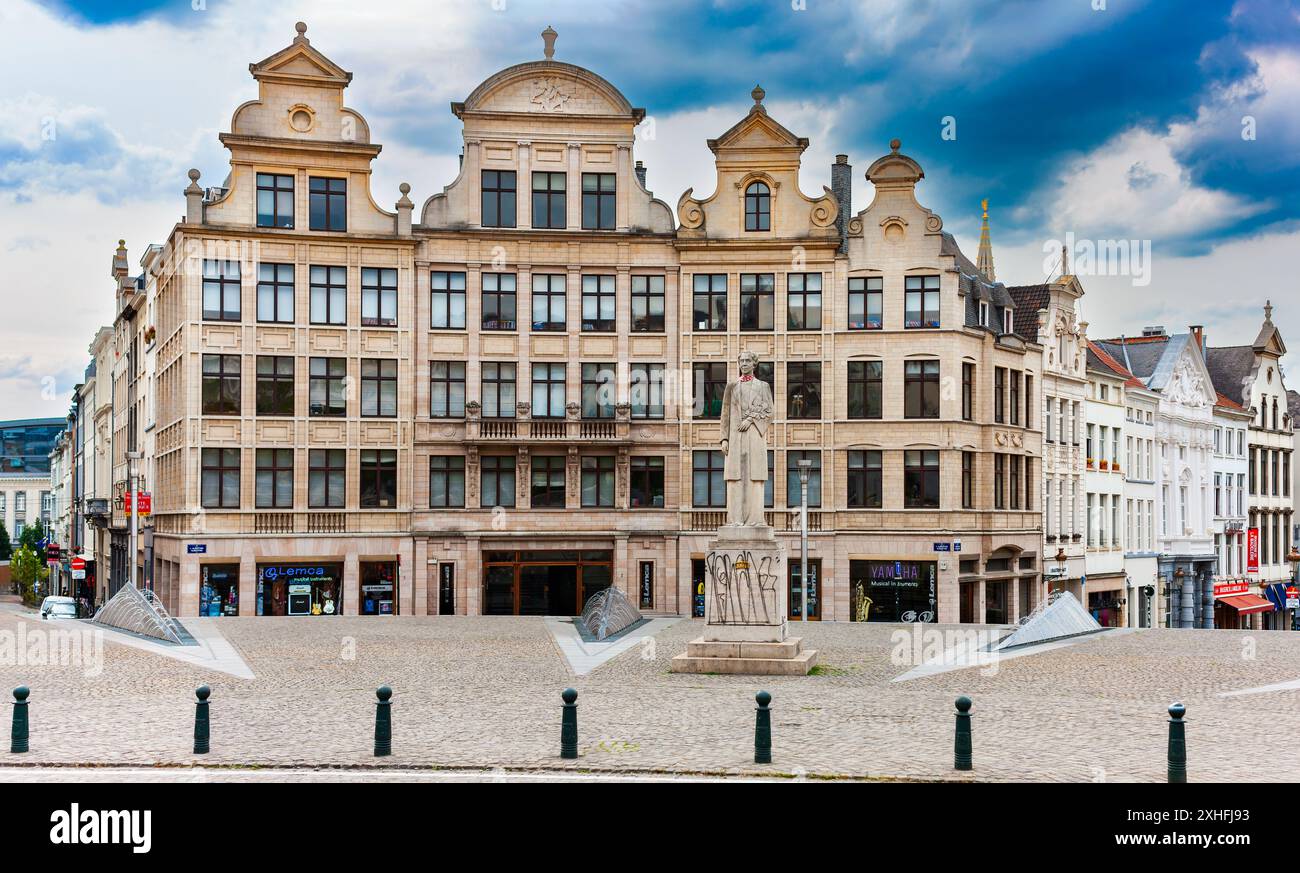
<point x="747" y="361"/>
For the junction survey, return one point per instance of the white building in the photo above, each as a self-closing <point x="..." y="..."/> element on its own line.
<point x="1174" y="368"/>
<point x="1229" y="462"/>
<point x="1104" y="414"/>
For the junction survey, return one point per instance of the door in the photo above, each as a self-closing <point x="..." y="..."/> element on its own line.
<point x="447" y="589"/>
<point x="548" y="589"/>
<point x="697" y="587"/>
<point x="795" y="600"/>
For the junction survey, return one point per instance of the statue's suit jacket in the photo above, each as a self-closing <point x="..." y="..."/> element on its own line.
<point x="741" y="400"/>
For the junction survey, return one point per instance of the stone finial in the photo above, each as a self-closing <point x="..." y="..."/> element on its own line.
<point x="404" y="208"/>
<point x="301" y="27"/>
<point x="548" y="42"/>
<point x="194" y="200"/>
<point x="1268" y="311"/>
<point x="895" y="145"/>
<point x="758" y="94"/>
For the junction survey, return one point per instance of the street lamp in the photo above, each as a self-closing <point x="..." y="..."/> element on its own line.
<point x="131" y="484"/>
<point x="1062" y="559"/>
<point x="1293" y="557"/>
<point x="805" y="466"/>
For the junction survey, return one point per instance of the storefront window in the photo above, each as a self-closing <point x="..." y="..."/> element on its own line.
<point x="378" y="588"/>
<point x="219" y="590"/>
<point x="299" y="589"/>
<point x="893" y="591"/>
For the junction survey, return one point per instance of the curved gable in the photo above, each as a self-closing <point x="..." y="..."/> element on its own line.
<point x="548" y="87"/>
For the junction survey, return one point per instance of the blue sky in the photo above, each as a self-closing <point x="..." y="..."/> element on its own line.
<point x="1120" y="122"/>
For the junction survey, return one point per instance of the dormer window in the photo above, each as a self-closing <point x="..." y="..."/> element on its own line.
<point x="274" y="200"/>
<point x="1007" y="321"/>
<point x="758" y="207"/>
<point x="984" y="314"/>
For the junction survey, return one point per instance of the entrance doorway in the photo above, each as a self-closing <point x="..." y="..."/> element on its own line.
<point x="795" y="597"/>
<point x="535" y="582"/>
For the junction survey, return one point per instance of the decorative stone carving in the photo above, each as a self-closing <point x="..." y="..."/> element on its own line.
<point x="690" y="212"/>
<point x="547" y="94"/>
<point x="825" y="209"/>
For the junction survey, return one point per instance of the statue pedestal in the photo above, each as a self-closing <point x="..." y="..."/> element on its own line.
<point x="745" y="610"/>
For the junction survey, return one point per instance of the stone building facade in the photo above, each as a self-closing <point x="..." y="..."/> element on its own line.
<point x="503" y="400"/>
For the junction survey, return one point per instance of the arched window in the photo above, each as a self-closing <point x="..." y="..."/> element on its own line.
<point x="758" y="207"/>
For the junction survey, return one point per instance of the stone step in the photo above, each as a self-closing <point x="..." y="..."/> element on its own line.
<point x="799" y="665"/>
<point x="770" y="651"/>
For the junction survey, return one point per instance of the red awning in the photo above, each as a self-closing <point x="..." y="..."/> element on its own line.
<point x="1248" y="603"/>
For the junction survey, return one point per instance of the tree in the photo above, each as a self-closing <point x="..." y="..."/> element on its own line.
<point x="6" y="547"/>
<point x="32" y="535"/>
<point x="27" y="568"/>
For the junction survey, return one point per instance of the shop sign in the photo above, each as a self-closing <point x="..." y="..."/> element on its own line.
<point x="1292" y="597"/>
<point x="1252" y="550"/>
<point x="647" y="584"/>
<point x="1231" y="588"/>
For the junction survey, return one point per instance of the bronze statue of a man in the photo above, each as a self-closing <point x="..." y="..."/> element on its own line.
<point x="746" y="414"/>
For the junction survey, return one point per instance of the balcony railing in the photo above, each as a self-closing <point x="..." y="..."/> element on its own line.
<point x="327" y="522"/>
<point x="786" y="521"/>
<point x="273" y="522"/>
<point x="570" y="428"/>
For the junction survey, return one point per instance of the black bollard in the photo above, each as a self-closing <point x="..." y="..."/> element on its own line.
<point x="202" y="729"/>
<point x="18" y="737"/>
<point x="383" y="722"/>
<point x="762" y="729"/>
<point x="962" y="743"/>
<point x="1177" y="743"/>
<point x="569" y="724"/>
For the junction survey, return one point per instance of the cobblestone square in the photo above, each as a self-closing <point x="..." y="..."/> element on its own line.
<point x="482" y="693"/>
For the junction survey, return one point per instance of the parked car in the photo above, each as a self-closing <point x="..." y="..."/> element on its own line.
<point x="58" y="607"/>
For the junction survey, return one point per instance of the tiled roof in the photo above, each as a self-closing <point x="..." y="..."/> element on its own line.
<point x="1229" y="403"/>
<point x="1099" y="358"/>
<point x="1230" y="368"/>
<point x="1029" y="299"/>
<point x="1143" y="353"/>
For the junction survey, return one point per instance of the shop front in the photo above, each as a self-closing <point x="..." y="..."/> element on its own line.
<point x="543" y="582"/>
<point x="796" y="594"/>
<point x="299" y="589"/>
<point x="378" y="588"/>
<point x="218" y="590"/>
<point x="905" y="591"/>
<point x="1235" y="605"/>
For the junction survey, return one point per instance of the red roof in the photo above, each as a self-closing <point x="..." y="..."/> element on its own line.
<point x="1131" y="381"/>
<point x="1228" y="403"/>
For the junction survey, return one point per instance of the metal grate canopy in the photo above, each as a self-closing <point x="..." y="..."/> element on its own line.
<point x="608" y="612"/>
<point x="140" y="612"/>
<point x="1058" y="617"/>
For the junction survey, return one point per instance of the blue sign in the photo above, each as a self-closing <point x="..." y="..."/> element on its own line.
<point x="943" y="547"/>
<point x="956" y="547"/>
<point x="197" y="548"/>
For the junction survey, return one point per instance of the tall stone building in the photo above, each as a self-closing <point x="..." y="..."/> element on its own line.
<point x="504" y="400"/>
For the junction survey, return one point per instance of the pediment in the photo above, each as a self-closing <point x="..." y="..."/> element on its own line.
<point x="300" y="62"/>
<point x="548" y="87"/>
<point x="758" y="130"/>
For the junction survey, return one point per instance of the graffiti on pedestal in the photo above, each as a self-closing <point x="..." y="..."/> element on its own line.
<point x="744" y="588"/>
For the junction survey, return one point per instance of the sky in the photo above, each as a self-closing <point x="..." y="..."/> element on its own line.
<point x="1169" y="126"/>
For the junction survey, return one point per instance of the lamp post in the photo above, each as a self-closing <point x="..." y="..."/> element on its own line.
<point x="805" y="466"/>
<point x="131" y="458"/>
<point x="1293" y="558"/>
<point x="1061" y="559"/>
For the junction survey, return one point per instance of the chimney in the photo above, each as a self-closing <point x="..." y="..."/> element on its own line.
<point x="640" y="172"/>
<point x="842" y="188"/>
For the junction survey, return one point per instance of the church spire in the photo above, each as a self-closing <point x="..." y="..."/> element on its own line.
<point x="984" y="261"/>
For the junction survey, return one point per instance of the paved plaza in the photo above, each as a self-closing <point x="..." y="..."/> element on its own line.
<point x="479" y="696"/>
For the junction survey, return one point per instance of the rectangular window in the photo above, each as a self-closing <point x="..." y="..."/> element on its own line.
<point x="646" y="488"/>
<point x="548" y="201"/>
<point x="447" y="388"/>
<point x="329" y="203"/>
<point x="598" y="390"/>
<point x="967" y="391"/>
<point x="708" y="488"/>
<point x="378" y="296"/>
<point x="710" y="383"/>
<point x="378" y="478"/>
<point x="646" y="392"/>
<point x="220" y="478"/>
<point x="1030" y="483"/>
<point x="329" y="295"/>
<point x="921" y="302"/>
<point x="1029" y="400"/>
<point x="275" y="293"/>
<point x="1013" y="403"/>
<point x="498" y="389"/>
<point x="379" y="388"/>
<point x="598" y="303"/>
<point x="548" y="301"/>
<point x="499" y="301"/>
<point x="548" y="481"/>
<point x="498" y="480"/>
<point x="921" y="479"/>
<point x="548" y="390"/>
<point x="327" y="386"/>
<point x="1014" y="481"/>
<point x="597" y="480"/>
<point x="274" y="385"/>
<point x="274" y="200"/>
<point x="710" y="301"/>
<point x="865" y="389"/>
<point x="864" y="480"/>
<point x="967" y="480"/>
<point x="598" y="201"/>
<point x="498" y="198"/>
<point x="999" y="394"/>
<point x="793" y="487"/>
<point x="803" y="385"/>
<point x="757" y="300"/>
<point x="221" y="384"/>
<point x="921" y="389"/>
<point x="648" y="303"/>
<point x="446" y="481"/>
<point x="327" y="477"/>
<point x="447" y="300"/>
<point x="999" y="481"/>
<point x="221" y="290"/>
<point x="804" y="301"/>
<point x="866" y="303"/>
<point x="274" y="479"/>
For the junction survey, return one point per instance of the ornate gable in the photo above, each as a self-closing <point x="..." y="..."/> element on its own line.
<point x="299" y="63"/>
